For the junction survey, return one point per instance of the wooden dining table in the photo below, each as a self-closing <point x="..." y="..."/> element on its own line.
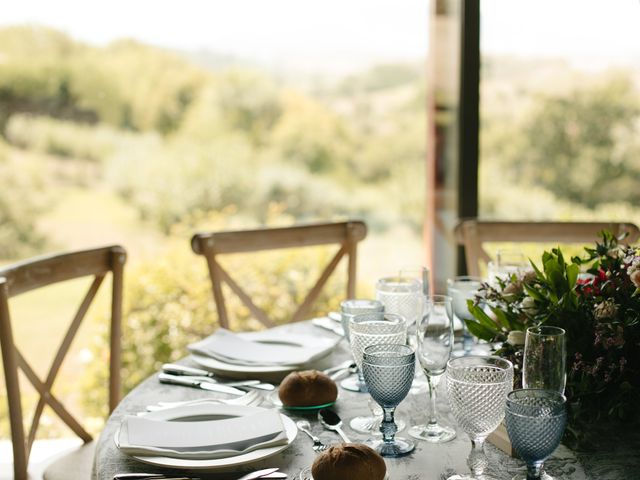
<point x="427" y="462"/>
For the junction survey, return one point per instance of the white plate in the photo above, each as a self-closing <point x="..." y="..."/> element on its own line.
<point x="214" y="463"/>
<point x="267" y="372"/>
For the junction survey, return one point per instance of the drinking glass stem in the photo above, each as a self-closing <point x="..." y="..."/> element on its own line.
<point x="477" y="460"/>
<point x="388" y="426"/>
<point x="433" y="413"/>
<point x="467" y="339"/>
<point x="360" y="375"/>
<point x="534" y="470"/>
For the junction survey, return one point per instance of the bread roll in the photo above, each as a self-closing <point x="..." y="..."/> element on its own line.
<point x="307" y="389"/>
<point x="349" y="461"/>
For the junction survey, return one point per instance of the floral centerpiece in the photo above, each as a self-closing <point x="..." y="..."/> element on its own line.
<point x="596" y="299"/>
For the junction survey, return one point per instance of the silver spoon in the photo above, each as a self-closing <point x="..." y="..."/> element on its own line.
<point x="331" y="421"/>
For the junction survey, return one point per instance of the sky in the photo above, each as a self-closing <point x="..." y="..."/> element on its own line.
<point x="322" y="33"/>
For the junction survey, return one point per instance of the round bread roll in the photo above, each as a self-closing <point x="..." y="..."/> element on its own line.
<point x="307" y="389"/>
<point x="349" y="461"/>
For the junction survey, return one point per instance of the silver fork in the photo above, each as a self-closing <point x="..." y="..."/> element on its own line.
<point x="305" y="426"/>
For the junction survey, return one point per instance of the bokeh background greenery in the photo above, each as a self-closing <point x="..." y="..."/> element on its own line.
<point x="137" y="145"/>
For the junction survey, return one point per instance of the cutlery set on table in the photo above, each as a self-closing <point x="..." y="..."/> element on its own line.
<point x="270" y="473"/>
<point x="228" y="428"/>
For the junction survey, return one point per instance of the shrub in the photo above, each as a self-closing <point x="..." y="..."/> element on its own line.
<point x="169" y="304"/>
<point x="65" y="138"/>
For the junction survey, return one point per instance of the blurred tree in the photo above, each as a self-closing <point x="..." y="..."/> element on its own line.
<point x="584" y="147"/>
<point x="249" y="102"/>
<point x="311" y="136"/>
<point x="19" y="236"/>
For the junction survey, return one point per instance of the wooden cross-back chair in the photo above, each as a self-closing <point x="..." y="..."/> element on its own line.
<point x="473" y="233"/>
<point x="213" y="244"/>
<point x="34" y="274"/>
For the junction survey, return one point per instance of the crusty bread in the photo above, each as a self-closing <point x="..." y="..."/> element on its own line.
<point x="307" y="388"/>
<point x="349" y="461"/>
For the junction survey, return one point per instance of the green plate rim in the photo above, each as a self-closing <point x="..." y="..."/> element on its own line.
<point x="310" y="407"/>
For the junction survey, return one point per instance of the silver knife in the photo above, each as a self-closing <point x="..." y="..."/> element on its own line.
<point x="150" y="476"/>
<point x="258" y="474"/>
<point x="198" y="383"/>
<point x="175" y="369"/>
<point x="200" y="374"/>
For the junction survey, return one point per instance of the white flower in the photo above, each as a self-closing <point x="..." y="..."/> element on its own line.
<point x="529" y="305"/>
<point x="515" y="338"/>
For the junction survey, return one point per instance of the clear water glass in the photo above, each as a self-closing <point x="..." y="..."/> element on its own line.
<point x="370" y="329"/>
<point x="477" y="388"/>
<point x="404" y="295"/>
<point x="461" y="289"/>
<point x="434" y="336"/>
<point x="535" y="421"/>
<point x="506" y="264"/>
<point x="401" y="296"/>
<point x="388" y="370"/>
<point x="348" y="308"/>
<point x="545" y="357"/>
<point x="421" y="274"/>
<point x="374" y="328"/>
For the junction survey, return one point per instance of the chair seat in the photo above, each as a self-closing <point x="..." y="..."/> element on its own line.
<point x="75" y="465"/>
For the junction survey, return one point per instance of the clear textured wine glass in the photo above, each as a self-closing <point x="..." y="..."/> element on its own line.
<point x="401" y="296"/>
<point x="348" y="308"/>
<point x="535" y="421"/>
<point x="404" y="295"/>
<point x="477" y="388"/>
<point x="421" y="274"/>
<point x="434" y="334"/>
<point x="388" y="371"/>
<point x="370" y="329"/>
<point x="545" y="356"/>
<point x="461" y="289"/>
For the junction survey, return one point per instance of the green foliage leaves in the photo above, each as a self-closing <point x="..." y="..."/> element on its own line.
<point x="592" y="131"/>
<point x="600" y="313"/>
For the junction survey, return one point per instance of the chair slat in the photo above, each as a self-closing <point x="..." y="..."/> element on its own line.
<point x="246" y="300"/>
<point x="473" y="233"/>
<point x="31" y="275"/>
<point x="211" y="244"/>
<point x="311" y="297"/>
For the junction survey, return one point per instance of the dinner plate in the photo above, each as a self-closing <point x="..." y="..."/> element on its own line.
<point x="187" y="412"/>
<point x="266" y="372"/>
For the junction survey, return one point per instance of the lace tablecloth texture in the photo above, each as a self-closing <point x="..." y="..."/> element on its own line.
<point x="427" y="462"/>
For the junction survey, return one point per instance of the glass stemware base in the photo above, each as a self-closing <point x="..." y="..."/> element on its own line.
<point x="523" y="476"/>
<point x="396" y="448"/>
<point x="484" y="476"/>
<point x="354" y="384"/>
<point x="433" y="433"/>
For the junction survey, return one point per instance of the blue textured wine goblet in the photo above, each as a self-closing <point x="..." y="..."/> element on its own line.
<point x="388" y="370"/>
<point x="535" y="421"/>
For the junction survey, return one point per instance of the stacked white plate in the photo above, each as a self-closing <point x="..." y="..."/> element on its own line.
<point x="194" y="442"/>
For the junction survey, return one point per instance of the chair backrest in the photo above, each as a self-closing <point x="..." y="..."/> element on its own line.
<point x="212" y="244"/>
<point x="35" y="274"/>
<point x="473" y="233"/>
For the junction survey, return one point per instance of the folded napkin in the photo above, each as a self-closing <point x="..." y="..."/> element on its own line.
<point x="284" y="350"/>
<point x="208" y="439"/>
